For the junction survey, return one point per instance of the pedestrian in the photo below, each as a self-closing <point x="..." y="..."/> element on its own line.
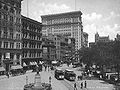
<point x="45" y="67"/>
<point x="7" y="74"/>
<point x="75" y="88"/>
<point x="85" y="84"/>
<point x="78" y="78"/>
<point x="48" y="67"/>
<point x="81" y="85"/>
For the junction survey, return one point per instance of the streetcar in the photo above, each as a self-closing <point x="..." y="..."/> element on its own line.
<point x="70" y="75"/>
<point x="59" y="74"/>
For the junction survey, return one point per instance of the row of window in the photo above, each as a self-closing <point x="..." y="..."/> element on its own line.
<point x="10" y="9"/>
<point x="61" y="20"/>
<point x="10" y="45"/>
<point x="10" y="18"/>
<point x="12" y="56"/>
<point x="9" y="35"/>
<point x="31" y="54"/>
<point x="63" y="30"/>
<point x="31" y="28"/>
<point x="31" y="36"/>
<point x="5" y="26"/>
<point x="25" y="45"/>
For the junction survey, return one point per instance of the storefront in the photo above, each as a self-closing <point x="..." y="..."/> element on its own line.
<point x="16" y="70"/>
<point x="2" y="71"/>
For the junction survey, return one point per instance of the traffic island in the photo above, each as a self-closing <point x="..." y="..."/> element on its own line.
<point x="37" y="85"/>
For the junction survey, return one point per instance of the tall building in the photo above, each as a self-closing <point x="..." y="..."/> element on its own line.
<point x="101" y="38"/>
<point x="118" y="37"/>
<point x="68" y="24"/>
<point x="32" y="42"/>
<point x="10" y="33"/>
<point x="85" y="39"/>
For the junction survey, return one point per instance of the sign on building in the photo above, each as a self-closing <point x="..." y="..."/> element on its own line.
<point x="8" y="55"/>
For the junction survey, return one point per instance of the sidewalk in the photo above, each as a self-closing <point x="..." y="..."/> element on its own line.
<point x="3" y="77"/>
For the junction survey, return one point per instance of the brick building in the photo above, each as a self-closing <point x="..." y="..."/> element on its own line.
<point x="31" y="41"/>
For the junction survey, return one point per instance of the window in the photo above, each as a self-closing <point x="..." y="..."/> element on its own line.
<point x="5" y="17"/>
<point x="18" y="56"/>
<point x="0" y="44"/>
<point x="17" y="45"/>
<point x="0" y="15"/>
<point x="12" y="45"/>
<point x="5" y="44"/>
<point x="11" y="18"/>
<point x="5" y="34"/>
<point x="11" y="55"/>
<point x="0" y="32"/>
<point x="11" y="35"/>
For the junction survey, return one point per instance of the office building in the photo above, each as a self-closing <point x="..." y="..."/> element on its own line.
<point x="66" y="24"/>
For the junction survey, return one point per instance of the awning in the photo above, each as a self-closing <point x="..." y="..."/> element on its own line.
<point x="54" y="62"/>
<point x="35" y="63"/>
<point x="16" y="67"/>
<point x="24" y="64"/>
<point x="31" y="63"/>
<point x="40" y="62"/>
<point x="2" y="69"/>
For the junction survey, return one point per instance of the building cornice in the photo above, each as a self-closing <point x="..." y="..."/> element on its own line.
<point x="62" y="14"/>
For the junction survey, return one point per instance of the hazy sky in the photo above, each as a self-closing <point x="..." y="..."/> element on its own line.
<point x="102" y="16"/>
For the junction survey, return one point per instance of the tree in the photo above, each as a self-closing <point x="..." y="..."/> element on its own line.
<point x="116" y="53"/>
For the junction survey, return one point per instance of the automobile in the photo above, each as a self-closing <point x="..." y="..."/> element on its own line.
<point x="76" y="64"/>
<point x="70" y="75"/>
<point x="59" y="74"/>
<point x="114" y="77"/>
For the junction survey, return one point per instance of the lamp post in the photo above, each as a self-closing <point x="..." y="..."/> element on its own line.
<point x="26" y="80"/>
<point x="50" y="82"/>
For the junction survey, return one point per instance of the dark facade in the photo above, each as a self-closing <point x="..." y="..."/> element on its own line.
<point x="10" y="33"/>
<point x="85" y="39"/>
<point x="31" y="42"/>
<point x="49" y="50"/>
<point x="64" y="46"/>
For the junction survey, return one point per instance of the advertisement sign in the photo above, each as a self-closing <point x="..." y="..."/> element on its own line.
<point x="8" y="55"/>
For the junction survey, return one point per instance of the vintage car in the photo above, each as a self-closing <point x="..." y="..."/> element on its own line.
<point x="59" y="74"/>
<point x="70" y="75"/>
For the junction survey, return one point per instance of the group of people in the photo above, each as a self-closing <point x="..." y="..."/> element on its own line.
<point x="81" y="85"/>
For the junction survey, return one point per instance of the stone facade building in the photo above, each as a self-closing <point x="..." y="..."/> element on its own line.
<point x="10" y="33"/>
<point x="31" y="42"/>
<point x="101" y="38"/>
<point x="68" y="24"/>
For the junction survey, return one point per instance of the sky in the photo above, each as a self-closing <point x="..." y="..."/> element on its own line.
<point x="102" y="16"/>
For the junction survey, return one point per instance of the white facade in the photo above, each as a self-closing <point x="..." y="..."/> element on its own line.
<point x="68" y="24"/>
